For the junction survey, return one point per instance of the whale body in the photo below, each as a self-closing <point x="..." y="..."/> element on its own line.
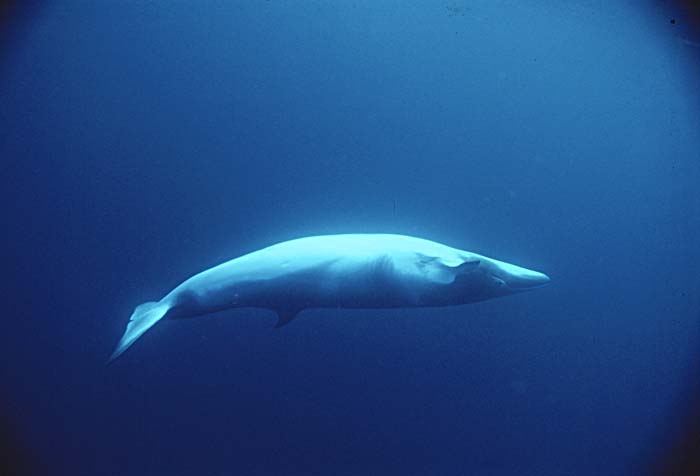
<point x="338" y="271"/>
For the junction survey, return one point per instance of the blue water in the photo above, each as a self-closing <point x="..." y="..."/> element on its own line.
<point x="142" y="143"/>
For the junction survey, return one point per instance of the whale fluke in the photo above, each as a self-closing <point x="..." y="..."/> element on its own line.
<point x="142" y="319"/>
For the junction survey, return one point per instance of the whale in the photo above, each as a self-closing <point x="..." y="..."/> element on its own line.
<point x="351" y="271"/>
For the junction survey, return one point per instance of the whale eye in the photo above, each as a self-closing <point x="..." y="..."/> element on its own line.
<point x="498" y="281"/>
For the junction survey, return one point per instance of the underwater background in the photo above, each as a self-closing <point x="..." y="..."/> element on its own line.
<point x="142" y="142"/>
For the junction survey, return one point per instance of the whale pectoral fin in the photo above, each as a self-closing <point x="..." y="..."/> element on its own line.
<point x="443" y="271"/>
<point x="449" y="273"/>
<point x="284" y="316"/>
<point x="468" y="266"/>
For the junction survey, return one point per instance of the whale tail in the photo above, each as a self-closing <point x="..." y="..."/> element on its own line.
<point x="142" y="319"/>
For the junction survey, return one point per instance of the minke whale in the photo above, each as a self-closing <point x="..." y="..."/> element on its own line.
<point x="337" y="271"/>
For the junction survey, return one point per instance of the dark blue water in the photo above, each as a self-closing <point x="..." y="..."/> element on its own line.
<point x="142" y="143"/>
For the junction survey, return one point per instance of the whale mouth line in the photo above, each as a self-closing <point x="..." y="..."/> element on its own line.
<point x="540" y="284"/>
<point x="537" y="285"/>
<point x="527" y="283"/>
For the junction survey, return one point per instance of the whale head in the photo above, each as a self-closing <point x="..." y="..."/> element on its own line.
<point x="493" y="278"/>
<point x="513" y="279"/>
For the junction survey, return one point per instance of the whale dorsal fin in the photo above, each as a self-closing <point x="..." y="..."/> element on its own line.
<point x="285" y="316"/>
